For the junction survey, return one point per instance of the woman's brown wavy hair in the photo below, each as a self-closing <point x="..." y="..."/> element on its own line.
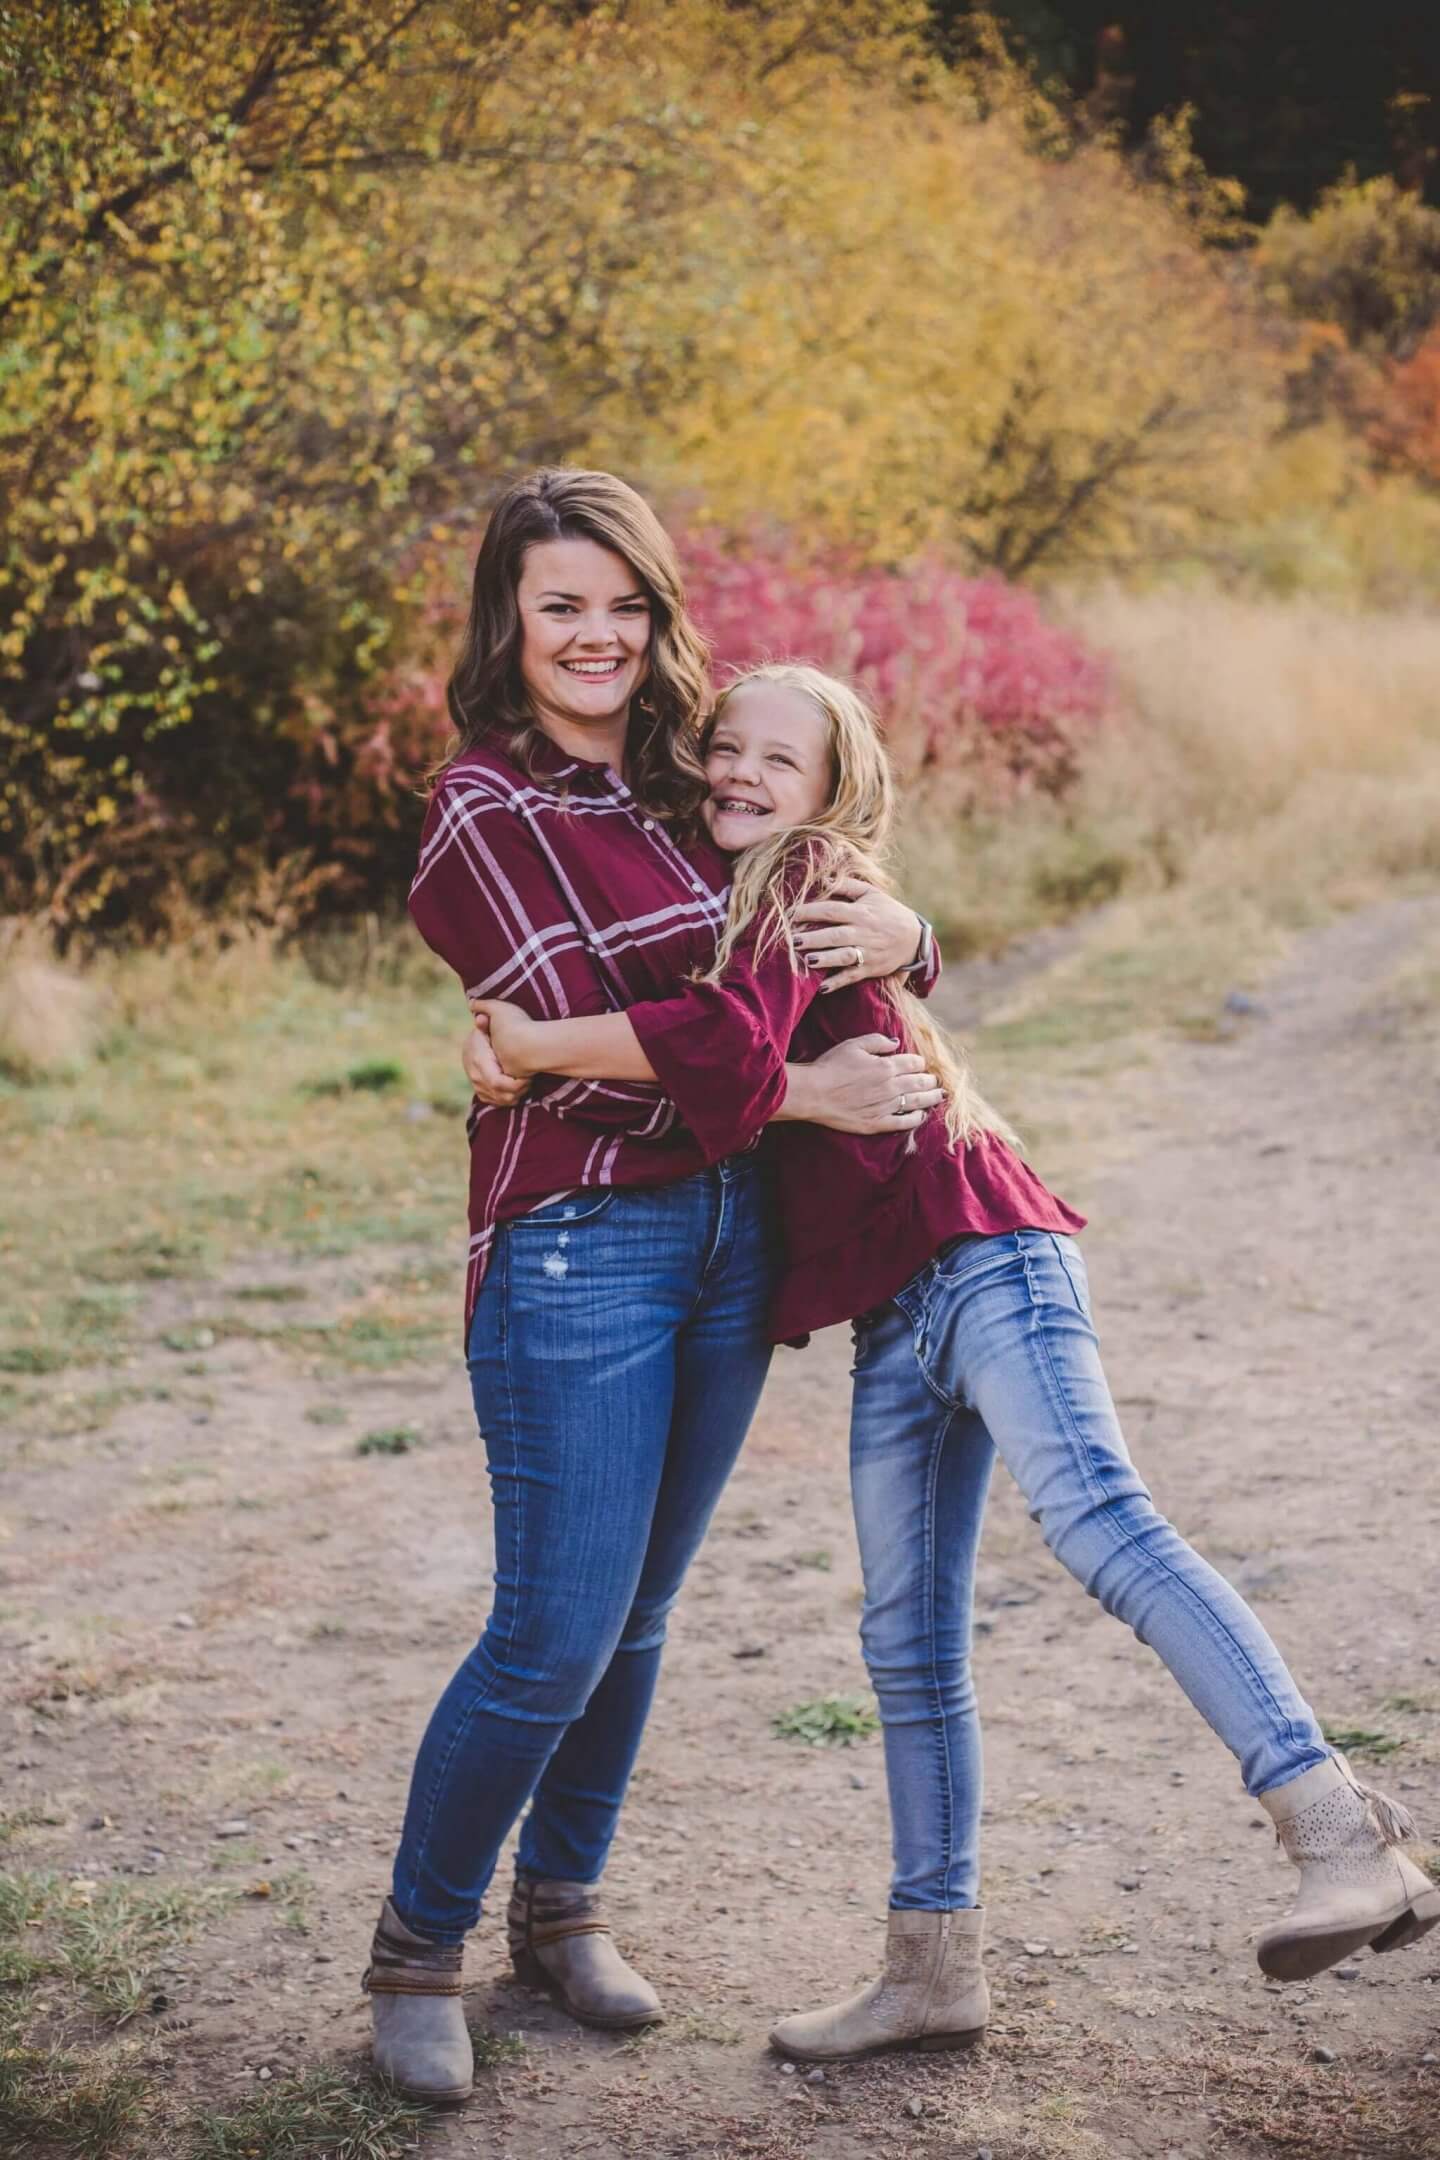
<point x="486" y="692"/>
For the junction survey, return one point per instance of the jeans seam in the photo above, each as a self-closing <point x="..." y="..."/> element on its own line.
<point x="1219" y="1632"/>
<point x="477" y="1704"/>
<point x="942" y="1737"/>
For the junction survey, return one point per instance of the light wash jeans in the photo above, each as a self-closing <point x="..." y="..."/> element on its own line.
<point x="617" y="1354"/>
<point x="990" y="1349"/>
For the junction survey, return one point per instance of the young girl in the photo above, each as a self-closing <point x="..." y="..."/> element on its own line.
<point x="973" y="1336"/>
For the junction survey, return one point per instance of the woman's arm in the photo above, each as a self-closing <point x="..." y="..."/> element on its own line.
<point x="865" y="1085"/>
<point x="891" y="939"/>
<point x="719" y="1050"/>
<point x="597" y="1046"/>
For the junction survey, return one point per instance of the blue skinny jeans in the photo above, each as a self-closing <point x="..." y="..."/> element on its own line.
<point x="617" y="1354"/>
<point x="990" y="1349"/>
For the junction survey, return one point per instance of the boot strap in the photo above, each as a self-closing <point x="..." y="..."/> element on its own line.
<point x="405" y="1978"/>
<point x="540" y="1933"/>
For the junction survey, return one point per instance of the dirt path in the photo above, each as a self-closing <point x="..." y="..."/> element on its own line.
<point x="220" y="1616"/>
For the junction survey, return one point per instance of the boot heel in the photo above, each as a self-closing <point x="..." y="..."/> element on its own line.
<point x="1423" y="1915"/>
<point x="936" y="2043"/>
<point x="529" y="1971"/>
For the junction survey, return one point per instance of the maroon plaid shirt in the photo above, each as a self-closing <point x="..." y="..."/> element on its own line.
<point x="567" y="904"/>
<point x="860" y="1214"/>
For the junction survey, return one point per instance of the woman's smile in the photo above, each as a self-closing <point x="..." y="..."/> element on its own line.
<point x="586" y="650"/>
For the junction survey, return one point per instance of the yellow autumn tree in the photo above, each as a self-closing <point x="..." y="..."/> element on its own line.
<point x="285" y="290"/>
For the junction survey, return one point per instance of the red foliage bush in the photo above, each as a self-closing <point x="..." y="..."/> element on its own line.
<point x="975" y="686"/>
<point x="967" y="673"/>
<point x="1405" y="430"/>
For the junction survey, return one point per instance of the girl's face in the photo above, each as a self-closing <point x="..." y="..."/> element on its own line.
<point x="585" y="622"/>
<point x="768" y="764"/>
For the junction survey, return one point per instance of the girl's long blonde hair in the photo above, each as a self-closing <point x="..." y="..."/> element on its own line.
<point x="848" y="838"/>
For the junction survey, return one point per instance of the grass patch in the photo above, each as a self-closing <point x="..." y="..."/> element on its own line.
<point x="327" y="1413"/>
<point x="373" y="1076"/>
<point x="830" y="1721"/>
<point x="101" y="1941"/>
<point x="14" y="1822"/>
<point x="321" y="2116"/>
<point x="819" y="1559"/>
<point x="1360" y="1740"/>
<point x="96" y="1172"/>
<point x="271" y="1293"/>
<point x="494" y="2049"/>
<point x="53" y="2102"/>
<point x="33" y="1358"/>
<point x="65" y="1415"/>
<point x="388" y="1440"/>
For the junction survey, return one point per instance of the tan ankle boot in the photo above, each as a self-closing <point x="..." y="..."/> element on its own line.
<point x="420" y="2042"/>
<point x="932" y="1994"/>
<point x="1355" y="1887"/>
<point x="559" y="1942"/>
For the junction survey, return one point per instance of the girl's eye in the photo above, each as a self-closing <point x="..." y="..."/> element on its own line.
<point x="777" y="758"/>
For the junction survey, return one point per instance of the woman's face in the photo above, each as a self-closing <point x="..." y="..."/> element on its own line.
<point x="768" y="764"/>
<point x="585" y="622"/>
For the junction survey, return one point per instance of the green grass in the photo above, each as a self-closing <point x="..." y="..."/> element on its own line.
<point x="100" y="1942"/>
<point x="195" y="1143"/>
<point x="390" y="1440"/>
<point x="1360" y="1740"/>
<point x="321" y="2116"/>
<point x="14" y="1822"/>
<point x="831" y="1721"/>
<point x="492" y="2049"/>
<point x="54" y="2102"/>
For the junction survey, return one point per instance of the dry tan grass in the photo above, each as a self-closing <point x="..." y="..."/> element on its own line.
<point x="1283" y="756"/>
<point x="50" y="1017"/>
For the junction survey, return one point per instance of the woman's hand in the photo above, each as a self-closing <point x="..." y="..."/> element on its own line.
<point x="859" y="932"/>
<point x="487" y="1076"/>
<point x="865" y="1085"/>
<point x="514" y="1036"/>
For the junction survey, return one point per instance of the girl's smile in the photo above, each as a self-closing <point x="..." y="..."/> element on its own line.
<point x="768" y="763"/>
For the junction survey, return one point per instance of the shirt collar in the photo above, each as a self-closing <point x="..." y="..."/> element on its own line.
<point x="589" y="773"/>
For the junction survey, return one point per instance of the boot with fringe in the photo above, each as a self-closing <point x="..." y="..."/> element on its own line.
<point x="1356" y="1886"/>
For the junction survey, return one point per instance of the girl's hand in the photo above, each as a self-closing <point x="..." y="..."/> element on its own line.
<point x="514" y="1036"/>
<point x="486" y="1074"/>
<point x="865" y="1085"/>
<point x="857" y="918"/>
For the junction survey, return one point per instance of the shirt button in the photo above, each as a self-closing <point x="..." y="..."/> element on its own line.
<point x="648" y="823"/>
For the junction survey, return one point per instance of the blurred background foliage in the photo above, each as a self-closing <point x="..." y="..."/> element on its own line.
<point x="893" y="308"/>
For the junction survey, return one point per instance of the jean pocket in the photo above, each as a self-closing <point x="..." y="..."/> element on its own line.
<point x="564" y="1214"/>
<point x="1068" y="1253"/>
<point x="862" y="1335"/>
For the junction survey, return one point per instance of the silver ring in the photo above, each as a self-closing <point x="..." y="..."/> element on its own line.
<point x="859" y="960"/>
<point x="902" y="1106"/>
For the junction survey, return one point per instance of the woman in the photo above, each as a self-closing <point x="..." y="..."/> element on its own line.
<point x="618" y="1277"/>
<point x="973" y="1336"/>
